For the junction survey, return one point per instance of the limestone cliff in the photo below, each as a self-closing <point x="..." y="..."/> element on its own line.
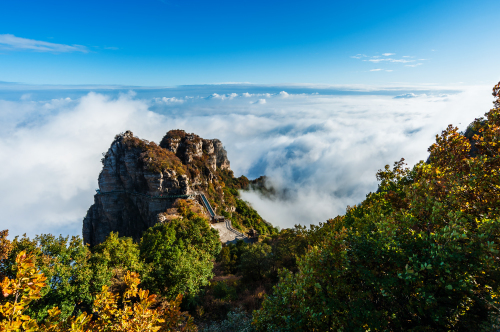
<point x="137" y="175"/>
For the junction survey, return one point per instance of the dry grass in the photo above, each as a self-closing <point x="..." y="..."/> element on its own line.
<point x="154" y="157"/>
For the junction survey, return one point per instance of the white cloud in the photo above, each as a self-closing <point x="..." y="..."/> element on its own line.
<point x="260" y="101"/>
<point x="415" y="65"/>
<point x="401" y="60"/>
<point x="11" y="42"/>
<point x="223" y="96"/>
<point x="284" y="94"/>
<point x="378" y="69"/>
<point x="170" y="100"/>
<point x="376" y="60"/>
<point x="388" y="59"/>
<point x="406" y="96"/>
<point x="358" y="56"/>
<point x="214" y="96"/>
<point x="323" y="150"/>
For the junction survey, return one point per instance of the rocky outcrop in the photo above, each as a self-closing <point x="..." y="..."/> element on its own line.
<point x="190" y="146"/>
<point x="140" y="181"/>
<point x="220" y="154"/>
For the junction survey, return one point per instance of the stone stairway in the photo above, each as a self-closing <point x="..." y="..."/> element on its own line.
<point x="227" y="233"/>
<point x="207" y="205"/>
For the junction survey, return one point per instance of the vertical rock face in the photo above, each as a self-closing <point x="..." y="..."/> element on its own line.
<point x="136" y="172"/>
<point x="220" y="154"/>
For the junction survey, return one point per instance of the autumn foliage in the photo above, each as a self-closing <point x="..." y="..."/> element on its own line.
<point x="134" y="310"/>
<point x="154" y="157"/>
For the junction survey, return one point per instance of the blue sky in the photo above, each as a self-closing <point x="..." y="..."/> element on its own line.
<point x="167" y="43"/>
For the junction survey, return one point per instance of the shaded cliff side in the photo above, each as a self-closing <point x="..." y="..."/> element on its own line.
<point x="140" y="182"/>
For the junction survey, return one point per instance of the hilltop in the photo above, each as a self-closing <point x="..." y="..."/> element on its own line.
<point x="141" y="183"/>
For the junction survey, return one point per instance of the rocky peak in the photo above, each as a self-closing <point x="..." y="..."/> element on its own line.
<point x="221" y="154"/>
<point x="141" y="180"/>
<point x="188" y="147"/>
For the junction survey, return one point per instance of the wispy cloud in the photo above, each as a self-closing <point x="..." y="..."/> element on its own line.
<point x="13" y="43"/>
<point x="260" y="101"/>
<point x="388" y="58"/>
<point x="379" y="69"/>
<point x="407" y="96"/>
<point x="377" y="60"/>
<point x="359" y="56"/>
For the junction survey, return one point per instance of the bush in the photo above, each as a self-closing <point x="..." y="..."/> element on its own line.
<point x="179" y="255"/>
<point x="223" y="291"/>
<point x="237" y="321"/>
<point x="256" y="262"/>
<point x="154" y="157"/>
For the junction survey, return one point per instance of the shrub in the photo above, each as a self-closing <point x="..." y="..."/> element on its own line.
<point x="236" y="321"/>
<point x="223" y="291"/>
<point x="179" y="255"/>
<point x="154" y="157"/>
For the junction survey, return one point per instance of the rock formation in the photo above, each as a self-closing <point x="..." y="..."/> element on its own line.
<point x="137" y="175"/>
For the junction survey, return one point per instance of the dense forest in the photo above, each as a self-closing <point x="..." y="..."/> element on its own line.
<point x="419" y="254"/>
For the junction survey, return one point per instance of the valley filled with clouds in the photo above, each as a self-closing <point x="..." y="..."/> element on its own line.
<point x="320" y="147"/>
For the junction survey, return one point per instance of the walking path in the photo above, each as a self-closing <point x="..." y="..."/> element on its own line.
<point x="227" y="233"/>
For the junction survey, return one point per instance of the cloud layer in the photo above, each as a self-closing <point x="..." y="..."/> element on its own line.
<point x="322" y="150"/>
<point x="13" y="43"/>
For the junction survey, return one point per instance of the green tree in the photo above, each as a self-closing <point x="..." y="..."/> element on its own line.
<point x="225" y="260"/>
<point x="256" y="262"/>
<point x="118" y="254"/>
<point x="133" y="310"/>
<point x="179" y="255"/>
<point x="71" y="277"/>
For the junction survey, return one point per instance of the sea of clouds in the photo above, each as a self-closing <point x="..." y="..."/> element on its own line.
<point x="322" y="147"/>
